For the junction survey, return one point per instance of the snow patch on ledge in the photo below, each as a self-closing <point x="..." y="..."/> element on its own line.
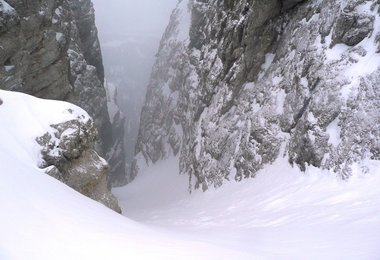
<point x="333" y="130"/>
<point x="24" y="118"/>
<point x="184" y="17"/>
<point x="5" y="7"/>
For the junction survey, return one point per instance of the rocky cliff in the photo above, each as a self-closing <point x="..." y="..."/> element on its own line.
<point x="50" y="49"/>
<point x="238" y="84"/>
<point x="117" y="154"/>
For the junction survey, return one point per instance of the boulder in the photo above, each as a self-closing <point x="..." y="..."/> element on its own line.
<point x="68" y="154"/>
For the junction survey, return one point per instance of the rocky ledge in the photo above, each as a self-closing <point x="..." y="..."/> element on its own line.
<point x="68" y="154"/>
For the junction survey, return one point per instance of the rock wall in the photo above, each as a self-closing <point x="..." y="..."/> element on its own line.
<point x="117" y="153"/>
<point x="238" y="84"/>
<point x="50" y="49"/>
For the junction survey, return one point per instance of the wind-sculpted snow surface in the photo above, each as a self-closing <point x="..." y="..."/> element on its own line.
<point x="281" y="214"/>
<point x="251" y="81"/>
<point x="57" y="137"/>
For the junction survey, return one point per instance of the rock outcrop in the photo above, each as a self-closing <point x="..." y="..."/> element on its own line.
<point x="68" y="154"/>
<point x="50" y="49"/>
<point x="238" y="84"/>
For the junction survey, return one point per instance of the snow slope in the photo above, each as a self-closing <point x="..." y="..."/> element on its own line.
<point x="43" y="219"/>
<point x="281" y="214"/>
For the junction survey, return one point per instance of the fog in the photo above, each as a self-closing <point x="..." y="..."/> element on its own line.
<point x="129" y="33"/>
<point x="131" y="17"/>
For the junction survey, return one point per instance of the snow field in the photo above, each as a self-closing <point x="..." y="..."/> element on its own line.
<point x="281" y="214"/>
<point x="42" y="218"/>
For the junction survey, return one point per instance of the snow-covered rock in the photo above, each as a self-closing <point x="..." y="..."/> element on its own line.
<point x="50" y="49"/>
<point x="238" y="84"/>
<point x="57" y="137"/>
<point x="160" y="130"/>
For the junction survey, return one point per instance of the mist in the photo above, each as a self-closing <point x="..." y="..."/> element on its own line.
<point x="130" y="33"/>
<point x="132" y="18"/>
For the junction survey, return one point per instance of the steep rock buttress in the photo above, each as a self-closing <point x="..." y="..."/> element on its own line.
<point x="238" y="84"/>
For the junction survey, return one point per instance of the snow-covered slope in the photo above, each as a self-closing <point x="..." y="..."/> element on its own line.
<point x="293" y="216"/>
<point x="281" y="214"/>
<point x="42" y="218"/>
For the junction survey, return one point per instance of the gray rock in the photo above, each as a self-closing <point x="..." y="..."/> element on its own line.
<point x="50" y="49"/>
<point x="117" y="153"/>
<point x="55" y="173"/>
<point x="69" y="156"/>
<point x="259" y="80"/>
<point x="289" y="4"/>
<point x="351" y="28"/>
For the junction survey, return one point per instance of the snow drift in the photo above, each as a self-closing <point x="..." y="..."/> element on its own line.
<point x="281" y="214"/>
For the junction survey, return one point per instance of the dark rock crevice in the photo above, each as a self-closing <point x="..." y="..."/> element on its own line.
<point x="287" y="5"/>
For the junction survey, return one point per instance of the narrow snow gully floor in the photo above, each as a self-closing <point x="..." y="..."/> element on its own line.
<point x="281" y="214"/>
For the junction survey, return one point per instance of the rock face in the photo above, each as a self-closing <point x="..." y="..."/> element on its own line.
<point x="68" y="154"/>
<point x="117" y="152"/>
<point x="238" y="84"/>
<point x="130" y="79"/>
<point x="50" y="49"/>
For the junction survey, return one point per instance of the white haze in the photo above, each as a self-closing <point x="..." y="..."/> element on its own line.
<point x="130" y="17"/>
<point x="130" y="33"/>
